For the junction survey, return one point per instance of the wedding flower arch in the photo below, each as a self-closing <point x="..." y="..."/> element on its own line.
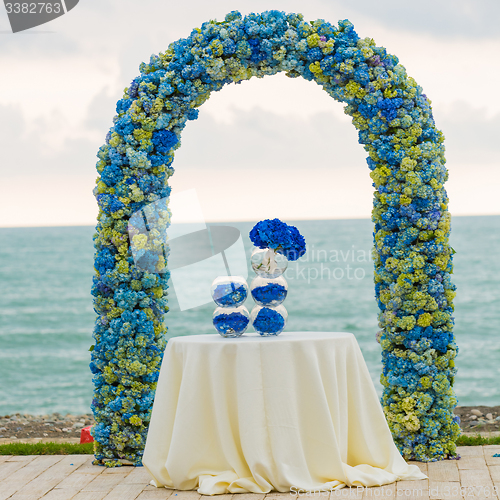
<point x="413" y="259"/>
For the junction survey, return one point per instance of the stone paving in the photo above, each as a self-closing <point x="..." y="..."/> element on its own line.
<point x="73" y="477"/>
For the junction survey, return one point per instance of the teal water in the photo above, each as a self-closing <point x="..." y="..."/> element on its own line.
<point x="46" y="314"/>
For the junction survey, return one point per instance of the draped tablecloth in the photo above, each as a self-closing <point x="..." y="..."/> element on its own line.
<point x="294" y="412"/>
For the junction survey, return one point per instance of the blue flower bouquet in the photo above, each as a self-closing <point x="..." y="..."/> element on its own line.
<point x="276" y="243"/>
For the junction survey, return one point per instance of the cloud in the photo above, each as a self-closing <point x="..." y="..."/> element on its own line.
<point x="44" y="184"/>
<point x="465" y="19"/>
<point x="26" y="148"/>
<point x="102" y="27"/>
<point x="462" y="19"/>
<point x="100" y="112"/>
<point x="40" y="41"/>
<point x="103" y="44"/>
<point x="471" y="135"/>
<point x="277" y="140"/>
<point x="60" y="90"/>
<point x="11" y="125"/>
<point x="261" y="138"/>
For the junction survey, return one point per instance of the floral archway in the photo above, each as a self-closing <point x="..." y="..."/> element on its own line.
<point x="413" y="259"/>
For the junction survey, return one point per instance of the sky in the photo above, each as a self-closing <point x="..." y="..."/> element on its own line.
<point x="272" y="147"/>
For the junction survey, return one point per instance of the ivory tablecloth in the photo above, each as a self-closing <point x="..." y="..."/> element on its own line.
<point x="253" y="414"/>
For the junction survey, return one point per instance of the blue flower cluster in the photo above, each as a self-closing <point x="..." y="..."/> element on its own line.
<point x="269" y="293"/>
<point x="126" y="356"/>
<point x="229" y="295"/>
<point x="268" y="321"/>
<point x="413" y="259"/>
<point x="234" y="322"/>
<point x="279" y="236"/>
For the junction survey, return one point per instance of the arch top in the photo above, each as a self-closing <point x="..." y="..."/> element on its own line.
<point x="385" y="104"/>
<point x="413" y="259"/>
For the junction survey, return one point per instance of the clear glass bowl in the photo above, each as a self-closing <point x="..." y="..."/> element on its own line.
<point x="269" y="291"/>
<point x="269" y="321"/>
<point x="268" y="263"/>
<point x="231" y="321"/>
<point x="229" y="291"/>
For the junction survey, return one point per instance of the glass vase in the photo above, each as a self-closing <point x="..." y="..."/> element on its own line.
<point x="268" y="321"/>
<point x="269" y="291"/>
<point x="229" y="291"/>
<point x="231" y="321"/>
<point x="268" y="263"/>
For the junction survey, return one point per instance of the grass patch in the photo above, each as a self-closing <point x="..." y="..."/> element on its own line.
<point x="88" y="448"/>
<point x="47" y="449"/>
<point x="477" y="440"/>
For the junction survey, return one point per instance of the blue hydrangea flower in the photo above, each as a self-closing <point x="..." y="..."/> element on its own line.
<point x="229" y="295"/>
<point x="279" y="236"/>
<point x="233" y="322"/>
<point x="268" y="321"/>
<point x="269" y="293"/>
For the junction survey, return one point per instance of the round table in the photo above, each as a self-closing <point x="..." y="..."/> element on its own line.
<point x="253" y="414"/>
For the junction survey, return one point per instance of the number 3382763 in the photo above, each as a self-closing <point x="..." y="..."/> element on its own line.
<point x="33" y="8"/>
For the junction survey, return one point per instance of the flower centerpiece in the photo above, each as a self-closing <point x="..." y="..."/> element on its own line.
<point x="231" y="321"/>
<point x="269" y="320"/>
<point x="229" y="290"/>
<point x="231" y="318"/>
<point x="275" y="236"/>
<point x="276" y="243"/>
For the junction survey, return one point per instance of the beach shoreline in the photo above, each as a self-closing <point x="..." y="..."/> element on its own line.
<point x="67" y="428"/>
<point x="21" y="426"/>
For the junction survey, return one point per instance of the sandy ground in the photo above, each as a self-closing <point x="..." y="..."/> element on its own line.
<point x="53" y="427"/>
<point x="477" y="418"/>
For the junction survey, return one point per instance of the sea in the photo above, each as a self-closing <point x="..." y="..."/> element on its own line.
<point x="46" y="313"/>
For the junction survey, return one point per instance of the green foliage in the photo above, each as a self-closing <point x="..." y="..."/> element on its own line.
<point x="47" y="449"/>
<point x="477" y="440"/>
<point x="88" y="448"/>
